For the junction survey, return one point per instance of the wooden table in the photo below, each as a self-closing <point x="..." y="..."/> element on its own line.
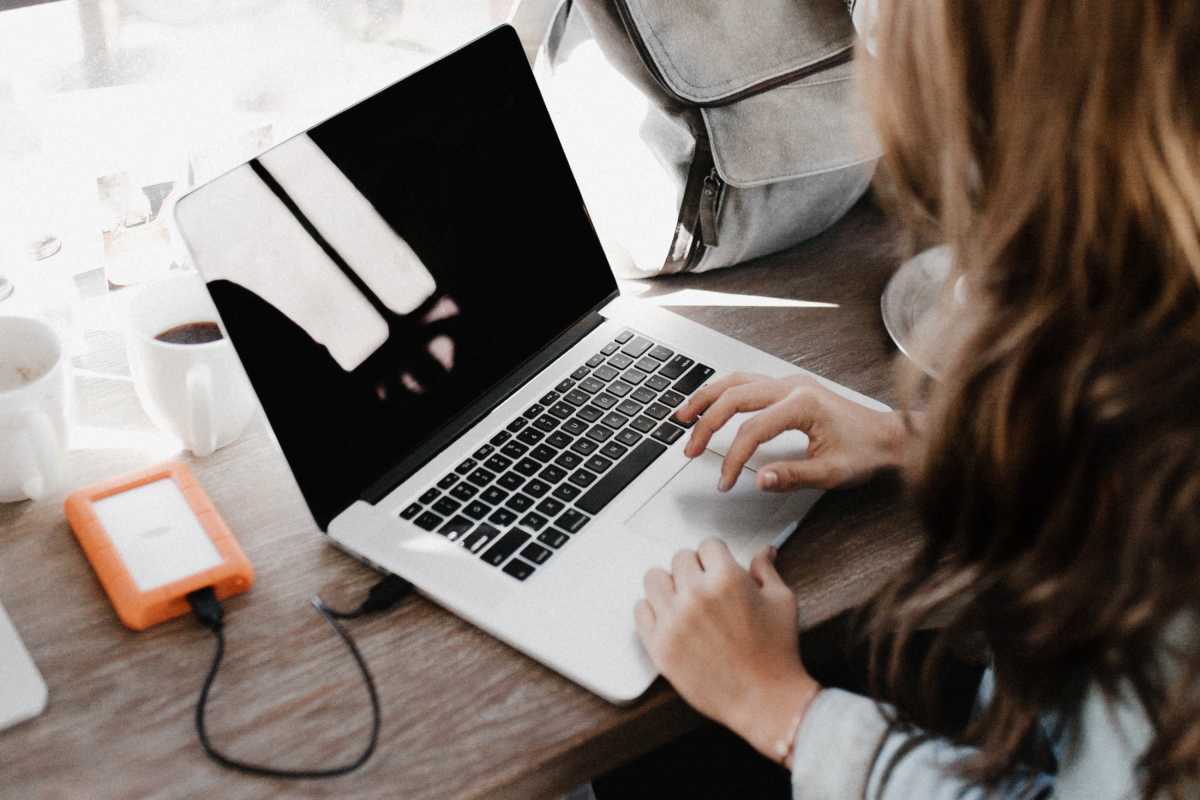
<point x="464" y="716"/>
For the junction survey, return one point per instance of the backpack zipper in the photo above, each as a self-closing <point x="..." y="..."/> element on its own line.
<point x="831" y="60"/>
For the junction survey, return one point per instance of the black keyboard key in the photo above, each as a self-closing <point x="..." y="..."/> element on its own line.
<point x="629" y="408"/>
<point x="481" y="477"/>
<point x="546" y="423"/>
<point x="676" y="367"/>
<point x="668" y="433"/>
<point x="590" y="413"/>
<point x="596" y="498"/>
<point x="517" y="424"/>
<point x="657" y="383"/>
<point x="574" y="426"/>
<point x="446" y="506"/>
<point x="571" y="520"/>
<point x="637" y="348"/>
<point x="448" y="481"/>
<point x="507" y="544"/>
<point x="562" y="410"/>
<point x="619" y="388"/>
<point x="610" y="348"/>
<point x="500" y="438"/>
<point x="514" y="449"/>
<point x="582" y="372"/>
<point x="634" y="376"/>
<point x="671" y="399"/>
<point x="544" y="453"/>
<point x="518" y="569"/>
<point x="498" y="463"/>
<point x="615" y="421"/>
<point x="411" y="511"/>
<point x="643" y="395"/>
<point x="568" y="460"/>
<point x="550" y="507"/>
<point x="583" y="478"/>
<point x="464" y="491"/>
<point x="552" y="474"/>
<point x="429" y="497"/>
<point x="466" y="466"/>
<point x="537" y="488"/>
<point x="695" y="378"/>
<point x="566" y="386"/>
<point x="511" y="481"/>
<point x="518" y="502"/>
<point x="478" y="538"/>
<point x="591" y="385"/>
<point x="558" y="439"/>
<point x="585" y="447"/>
<point x="567" y="492"/>
<point x="604" y="400"/>
<point x="661" y="353"/>
<point x="502" y="517"/>
<point x="647" y="364"/>
<point x="532" y="412"/>
<point x="428" y="520"/>
<point x="576" y="397"/>
<point x="620" y="361"/>
<point x="528" y="467"/>
<point x="643" y="424"/>
<point x="554" y="538"/>
<point x="536" y="553"/>
<point x="530" y="436"/>
<point x="494" y="495"/>
<point x="598" y="464"/>
<point x="483" y="452"/>
<point x="605" y="373"/>
<point x="629" y="437"/>
<point x="624" y="337"/>
<point x="477" y="510"/>
<point x="599" y="433"/>
<point x="613" y="450"/>
<point x="456" y="528"/>
<point x="657" y="410"/>
<point x="549" y="399"/>
<point x="534" y="521"/>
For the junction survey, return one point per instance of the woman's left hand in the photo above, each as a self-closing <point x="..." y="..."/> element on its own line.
<point x="727" y="640"/>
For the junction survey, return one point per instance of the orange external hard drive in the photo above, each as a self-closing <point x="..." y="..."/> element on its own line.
<point x="154" y="537"/>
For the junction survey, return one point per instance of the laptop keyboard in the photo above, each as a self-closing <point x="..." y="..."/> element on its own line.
<point x="539" y="480"/>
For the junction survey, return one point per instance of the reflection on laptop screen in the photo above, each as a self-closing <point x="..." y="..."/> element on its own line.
<point x="381" y="272"/>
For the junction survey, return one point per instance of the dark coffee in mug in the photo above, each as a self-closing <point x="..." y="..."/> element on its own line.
<point x="191" y="333"/>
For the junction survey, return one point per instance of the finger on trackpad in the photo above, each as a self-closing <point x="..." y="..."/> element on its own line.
<point x="689" y="510"/>
<point x="787" y="446"/>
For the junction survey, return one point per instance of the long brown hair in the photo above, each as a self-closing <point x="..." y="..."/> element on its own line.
<point x="1055" y="145"/>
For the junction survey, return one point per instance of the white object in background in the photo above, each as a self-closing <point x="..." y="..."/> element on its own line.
<point x="22" y="691"/>
<point x="35" y="398"/>
<point x="196" y="391"/>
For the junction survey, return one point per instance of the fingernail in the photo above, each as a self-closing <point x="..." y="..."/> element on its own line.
<point x="770" y="480"/>
<point x="725" y="485"/>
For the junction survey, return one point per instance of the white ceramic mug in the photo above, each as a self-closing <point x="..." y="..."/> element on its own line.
<point x="199" y="392"/>
<point x="35" y="397"/>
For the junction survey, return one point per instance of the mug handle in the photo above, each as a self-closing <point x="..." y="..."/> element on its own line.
<point x="44" y="443"/>
<point x="202" y="431"/>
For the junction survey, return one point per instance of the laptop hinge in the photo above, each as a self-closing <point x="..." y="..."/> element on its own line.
<point x="460" y="424"/>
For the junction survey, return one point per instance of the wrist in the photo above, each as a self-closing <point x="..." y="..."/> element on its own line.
<point x="774" y="712"/>
<point x="894" y="440"/>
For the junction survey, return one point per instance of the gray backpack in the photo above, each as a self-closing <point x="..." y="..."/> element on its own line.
<point x="704" y="132"/>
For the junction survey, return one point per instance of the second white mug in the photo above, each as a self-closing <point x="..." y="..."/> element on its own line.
<point x="198" y="391"/>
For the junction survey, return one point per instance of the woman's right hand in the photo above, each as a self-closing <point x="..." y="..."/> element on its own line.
<point x="848" y="442"/>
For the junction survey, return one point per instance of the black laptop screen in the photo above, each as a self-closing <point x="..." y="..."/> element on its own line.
<point x="380" y="273"/>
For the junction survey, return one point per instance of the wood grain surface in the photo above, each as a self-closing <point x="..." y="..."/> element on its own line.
<point x="464" y="716"/>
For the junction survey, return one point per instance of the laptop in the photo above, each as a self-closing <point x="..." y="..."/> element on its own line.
<point x="23" y="693"/>
<point x="423" y="308"/>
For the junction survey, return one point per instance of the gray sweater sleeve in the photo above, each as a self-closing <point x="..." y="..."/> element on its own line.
<point x="835" y="757"/>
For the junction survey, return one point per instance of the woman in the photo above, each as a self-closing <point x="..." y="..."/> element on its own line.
<point x="1055" y="145"/>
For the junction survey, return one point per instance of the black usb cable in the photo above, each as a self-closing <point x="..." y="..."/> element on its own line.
<point x="207" y="609"/>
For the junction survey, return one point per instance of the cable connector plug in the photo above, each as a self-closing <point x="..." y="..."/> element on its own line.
<point x="383" y="595"/>
<point x="207" y="608"/>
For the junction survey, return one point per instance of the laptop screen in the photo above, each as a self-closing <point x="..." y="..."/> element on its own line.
<point x="381" y="272"/>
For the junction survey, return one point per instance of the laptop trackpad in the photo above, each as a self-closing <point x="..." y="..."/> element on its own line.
<point x="689" y="509"/>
